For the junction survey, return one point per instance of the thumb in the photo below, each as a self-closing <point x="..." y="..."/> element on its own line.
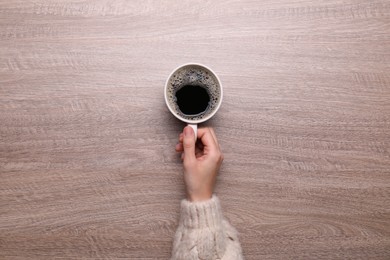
<point x="189" y="144"/>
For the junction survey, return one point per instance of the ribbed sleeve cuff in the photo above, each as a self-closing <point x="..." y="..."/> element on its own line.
<point x="204" y="214"/>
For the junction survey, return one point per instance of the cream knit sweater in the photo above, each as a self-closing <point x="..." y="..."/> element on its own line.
<point x="203" y="233"/>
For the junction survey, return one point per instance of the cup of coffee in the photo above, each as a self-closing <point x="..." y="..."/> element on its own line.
<point x="193" y="93"/>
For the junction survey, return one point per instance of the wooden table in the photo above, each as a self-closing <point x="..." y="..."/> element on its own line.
<point x="87" y="161"/>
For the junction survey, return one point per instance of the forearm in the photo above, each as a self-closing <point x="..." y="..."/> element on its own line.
<point x="203" y="233"/>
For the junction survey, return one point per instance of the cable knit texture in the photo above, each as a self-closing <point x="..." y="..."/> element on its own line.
<point x="204" y="234"/>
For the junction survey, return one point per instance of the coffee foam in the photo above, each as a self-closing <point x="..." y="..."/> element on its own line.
<point x="193" y="75"/>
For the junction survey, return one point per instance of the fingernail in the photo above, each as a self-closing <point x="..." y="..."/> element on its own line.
<point x="188" y="131"/>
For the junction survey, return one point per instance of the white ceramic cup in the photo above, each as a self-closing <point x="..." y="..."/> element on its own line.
<point x="169" y="100"/>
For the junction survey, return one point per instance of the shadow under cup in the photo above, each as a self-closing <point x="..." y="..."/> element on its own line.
<point x="193" y="93"/>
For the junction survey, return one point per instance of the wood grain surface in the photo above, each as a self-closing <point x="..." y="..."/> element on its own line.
<point x="87" y="161"/>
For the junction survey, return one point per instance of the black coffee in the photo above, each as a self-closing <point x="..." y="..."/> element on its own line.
<point x="192" y="99"/>
<point x="193" y="92"/>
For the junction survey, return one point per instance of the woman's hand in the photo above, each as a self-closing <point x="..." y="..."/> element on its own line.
<point x="201" y="160"/>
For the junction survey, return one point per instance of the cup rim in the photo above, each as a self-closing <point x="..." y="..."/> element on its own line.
<point x="188" y="120"/>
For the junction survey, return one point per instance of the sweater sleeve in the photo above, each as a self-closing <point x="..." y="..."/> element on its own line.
<point x="203" y="233"/>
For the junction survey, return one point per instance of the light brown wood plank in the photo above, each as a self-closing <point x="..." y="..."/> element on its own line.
<point x="87" y="161"/>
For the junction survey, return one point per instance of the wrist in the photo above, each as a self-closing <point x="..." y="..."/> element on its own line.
<point x="199" y="197"/>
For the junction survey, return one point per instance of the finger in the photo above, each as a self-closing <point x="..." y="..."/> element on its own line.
<point x="213" y="134"/>
<point x="179" y="148"/>
<point x="215" y="138"/>
<point x="181" y="136"/>
<point x="207" y="139"/>
<point x="189" y="144"/>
